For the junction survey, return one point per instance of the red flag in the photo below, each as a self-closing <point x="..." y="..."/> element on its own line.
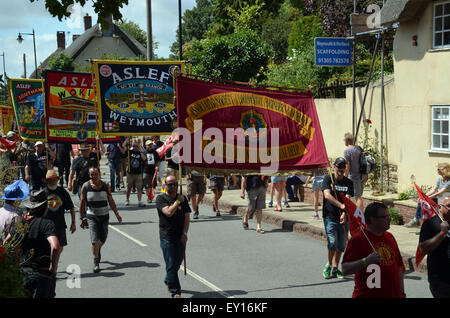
<point x="7" y="143"/>
<point x="167" y="145"/>
<point x="356" y="219"/>
<point x="429" y="209"/>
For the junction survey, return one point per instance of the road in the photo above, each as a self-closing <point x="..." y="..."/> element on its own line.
<point x="223" y="261"/>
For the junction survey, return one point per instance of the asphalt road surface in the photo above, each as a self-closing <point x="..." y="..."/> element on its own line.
<point x="223" y="261"/>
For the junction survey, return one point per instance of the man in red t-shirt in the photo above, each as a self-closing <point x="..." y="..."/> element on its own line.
<point x="377" y="265"/>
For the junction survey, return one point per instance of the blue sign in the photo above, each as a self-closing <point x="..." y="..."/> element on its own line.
<point x="333" y="52"/>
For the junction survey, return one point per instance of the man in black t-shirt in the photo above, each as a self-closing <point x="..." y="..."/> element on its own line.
<point x="334" y="216"/>
<point x="435" y="241"/>
<point x="81" y="165"/>
<point x="162" y="165"/>
<point x="173" y="211"/>
<point x="64" y="153"/>
<point x="59" y="201"/>
<point x="40" y="248"/>
<point x="36" y="166"/>
<point x="149" y="168"/>
<point x="136" y="160"/>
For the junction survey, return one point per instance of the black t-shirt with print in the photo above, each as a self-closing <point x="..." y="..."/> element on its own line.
<point x="345" y="186"/>
<point x="438" y="261"/>
<point x="152" y="160"/>
<point x="81" y="166"/>
<point x="171" y="228"/>
<point x="59" y="201"/>
<point x="38" y="165"/>
<point x="136" y="163"/>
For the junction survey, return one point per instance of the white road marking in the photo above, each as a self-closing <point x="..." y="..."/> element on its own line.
<point x="205" y="282"/>
<point x="128" y="236"/>
<point x="188" y="271"/>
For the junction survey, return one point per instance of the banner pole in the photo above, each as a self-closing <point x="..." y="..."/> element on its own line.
<point x="97" y="126"/>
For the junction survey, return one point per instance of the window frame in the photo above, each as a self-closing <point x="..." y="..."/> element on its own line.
<point x="434" y="147"/>
<point x="443" y="16"/>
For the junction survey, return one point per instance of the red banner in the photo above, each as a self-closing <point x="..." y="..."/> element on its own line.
<point x="70" y="108"/>
<point x="356" y="220"/>
<point x="246" y="129"/>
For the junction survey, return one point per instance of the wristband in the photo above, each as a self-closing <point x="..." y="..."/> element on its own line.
<point x="442" y="233"/>
<point x="178" y="201"/>
<point x="364" y="262"/>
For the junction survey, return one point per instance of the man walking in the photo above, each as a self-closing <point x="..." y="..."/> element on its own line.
<point x="136" y="159"/>
<point x="36" y="166"/>
<point x="114" y="153"/>
<point x="334" y="216"/>
<point x="256" y="191"/>
<point x="351" y="155"/>
<point x="173" y="211"/>
<point x="196" y="189"/>
<point x="149" y="168"/>
<point x="81" y="166"/>
<point x="435" y="242"/>
<point x="59" y="201"/>
<point x="96" y="195"/>
<point x="374" y="257"/>
<point x="64" y="153"/>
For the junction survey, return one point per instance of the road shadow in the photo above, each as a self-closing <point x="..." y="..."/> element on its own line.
<point x="207" y="218"/>
<point x="129" y="223"/>
<point x="212" y="294"/>
<point x="135" y="264"/>
<point x="328" y="282"/>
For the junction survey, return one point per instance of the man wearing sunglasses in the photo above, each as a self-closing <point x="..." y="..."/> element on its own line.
<point x="373" y="256"/>
<point x="173" y="211"/>
<point x="435" y="242"/>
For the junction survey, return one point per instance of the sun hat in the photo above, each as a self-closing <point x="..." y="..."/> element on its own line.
<point x="18" y="190"/>
<point x="51" y="174"/>
<point x="37" y="199"/>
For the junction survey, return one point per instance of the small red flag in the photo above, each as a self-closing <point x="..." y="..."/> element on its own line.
<point x="167" y="145"/>
<point x="429" y="209"/>
<point x="7" y="143"/>
<point x="356" y="219"/>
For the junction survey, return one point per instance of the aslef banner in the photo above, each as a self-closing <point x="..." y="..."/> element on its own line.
<point x="136" y="97"/>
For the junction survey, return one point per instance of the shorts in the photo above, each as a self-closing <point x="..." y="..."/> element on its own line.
<point x="256" y="198"/>
<point x="317" y="183"/>
<point x="335" y="235"/>
<point x="172" y="172"/>
<point x="148" y="178"/>
<point x="98" y="227"/>
<point x="134" y="179"/>
<point x="278" y="179"/>
<point x="196" y="185"/>
<point x="62" y="237"/>
<point x="358" y="187"/>
<point x="217" y="183"/>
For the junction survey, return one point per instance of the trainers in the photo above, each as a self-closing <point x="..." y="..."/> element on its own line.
<point x="337" y="273"/>
<point x="270" y="203"/>
<point x="412" y="223"/>
<point x="195" y="215"/>
<point x="327" y="272"/>
<point x="316" y="216"/>
<point x="127" y="202"/>
<point x="149" y="201"/>
<point x="140" y="204"/>
<point x="96" y="265"/>
<point x="177" y="296"/>
<point x="286" y="204"/>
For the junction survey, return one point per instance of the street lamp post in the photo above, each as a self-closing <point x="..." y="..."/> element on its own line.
<point x="20" y="39"/>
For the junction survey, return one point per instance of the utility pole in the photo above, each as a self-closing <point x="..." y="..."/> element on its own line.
<point x="149" y="31"/>
<point x="180" y="30"/>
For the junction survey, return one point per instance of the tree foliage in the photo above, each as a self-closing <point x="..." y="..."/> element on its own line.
<point x="103" y="8"/>
<point x="240" y="56"/>
<point x="136" y="32"/>
<point x="61" y="62"/>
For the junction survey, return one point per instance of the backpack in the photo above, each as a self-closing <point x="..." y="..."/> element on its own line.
<point x="367" y="163"/>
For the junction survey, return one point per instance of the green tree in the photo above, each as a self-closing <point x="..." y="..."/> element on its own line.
<point x="241" y="56"/>
<point x="303" y="33"/>
<point x="103" y="8"/>
<point x="136" y="32"/>
<point x="61" y="62"/>
<point x="3" y="91"/>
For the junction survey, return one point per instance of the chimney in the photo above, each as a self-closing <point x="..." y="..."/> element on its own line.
<point x="61" y="39"/>
<point x="74" y="37"/>
<point x="87" y="22"/>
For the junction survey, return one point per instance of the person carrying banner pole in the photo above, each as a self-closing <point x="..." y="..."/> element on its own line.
<point x="333" y="217"/>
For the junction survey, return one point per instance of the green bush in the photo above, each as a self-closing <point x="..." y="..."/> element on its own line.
<point x="403" y="196"/>
<point x="396" y="217"/>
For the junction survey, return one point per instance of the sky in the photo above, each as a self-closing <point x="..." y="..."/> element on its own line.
<point x="23" y="16"/>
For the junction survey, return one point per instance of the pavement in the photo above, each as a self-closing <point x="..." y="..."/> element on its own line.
<point x="298" y="218"/>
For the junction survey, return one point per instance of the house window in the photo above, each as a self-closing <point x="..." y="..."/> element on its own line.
<point x="439" y="127"/>
<point x="442" y="24"/>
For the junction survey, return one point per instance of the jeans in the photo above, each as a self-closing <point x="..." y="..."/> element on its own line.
<point x="292" y="181"/>
<point x="64" y="170"/>
<point x="336" y="238"/>
<point x="39" y="285"/>
<point x="173" y="252"/>
<point x="37" y="184"/>
<point x="114" y="171"/>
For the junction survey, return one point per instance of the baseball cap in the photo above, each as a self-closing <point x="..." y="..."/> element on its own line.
<point x="148" y="142"/>
<point x="38" y="143"/>
<point x="340" y="161"/>
<point x="51" y="174"/>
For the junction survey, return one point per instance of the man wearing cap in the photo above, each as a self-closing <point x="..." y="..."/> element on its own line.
<point x="59" y="201"/>
<point x="80" y="167"/>
<point x="334" y="216"/>
<point x="13" y="194"/>
<point x="37" y="166"/>
<point x="150" y="167"/>
<point x="136" y="159"/>
<point x="40" y="249"/>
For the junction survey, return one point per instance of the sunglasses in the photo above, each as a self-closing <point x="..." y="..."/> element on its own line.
<point x="174" y="184"/>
